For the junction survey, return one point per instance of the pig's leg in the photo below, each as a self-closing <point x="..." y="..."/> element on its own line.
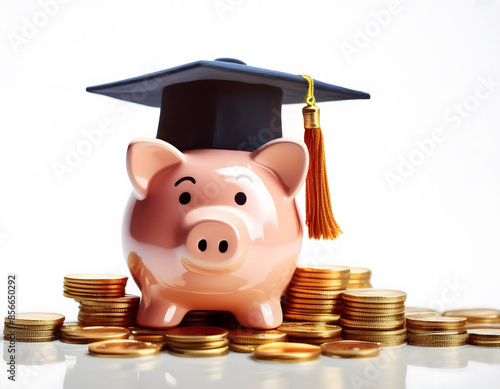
<point x="261" y="315"/>
<point x="157" y="311"/>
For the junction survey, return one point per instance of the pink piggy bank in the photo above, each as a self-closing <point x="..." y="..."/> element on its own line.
<point x="213" y="229"/>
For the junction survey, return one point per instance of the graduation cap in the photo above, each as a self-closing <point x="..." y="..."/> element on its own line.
<point x="226" y="104"/>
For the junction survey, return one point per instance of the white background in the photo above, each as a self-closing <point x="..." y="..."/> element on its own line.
<point x="436" y="227"/>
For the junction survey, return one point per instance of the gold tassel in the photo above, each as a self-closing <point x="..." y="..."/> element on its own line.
<point x="319" y="214"/>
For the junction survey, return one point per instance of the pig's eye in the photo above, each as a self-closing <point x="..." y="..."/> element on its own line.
<point x="184" y="198"/>
<point x="240" y="198"/>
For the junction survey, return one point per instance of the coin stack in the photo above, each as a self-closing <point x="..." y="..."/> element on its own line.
<point x="285" y="352"/>
<point x="374" y="315"/>
<point x="314" y="294"/>
<point x="359" y="278"/>
<point x="197" y="341"/>
<point x="86" y="335"/>
<point x="33" y="327"/>
<point x="151" y="335"/>
<point x="478" y="318"/>
<point x="310" y="332"/>
<point x="102" y="299"/>
<point x="246" y="340"/>
<point x="436" y="331"/>
<point x="486" y="337"/>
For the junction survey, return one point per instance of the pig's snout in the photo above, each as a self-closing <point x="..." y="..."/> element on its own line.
<point x="216" y="245"/>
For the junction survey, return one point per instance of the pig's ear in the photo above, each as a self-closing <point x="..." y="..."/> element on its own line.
<point x="288" y="159"/>
<point x="145" y="158"/>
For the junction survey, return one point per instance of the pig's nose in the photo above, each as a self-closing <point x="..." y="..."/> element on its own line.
<point x="213" y="244"/>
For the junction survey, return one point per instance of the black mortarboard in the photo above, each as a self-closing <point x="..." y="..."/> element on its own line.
<point x="221" y="104"/>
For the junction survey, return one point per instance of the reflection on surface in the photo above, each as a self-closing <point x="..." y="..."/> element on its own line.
<point x="58" y="365"/>
<point x="387" y="371"/>
<point x="439" y="357"/>
<point x="29" y="354"/>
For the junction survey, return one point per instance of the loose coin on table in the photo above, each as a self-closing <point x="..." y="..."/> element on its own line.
<point x="123" y="348"/>
<point x="287" y="352"/>
<point x="350" y="349"/>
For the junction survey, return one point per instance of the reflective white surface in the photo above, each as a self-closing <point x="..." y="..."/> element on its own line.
<point x="58" y="365"/>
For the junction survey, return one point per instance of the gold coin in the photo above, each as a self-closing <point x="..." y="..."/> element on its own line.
<point x="374" y="296"/>
<point x="148" y="338"/>
<point x="372" y="306"/>
<point x="195" y="333"/>
<point x="314" y="301"/>
<point x="123" y="348"/>
<point x="35" y="319"/>
<point x="312" y="293"/>
<point x="372" y="325"/>
<point x="98" y="315"/>
<point x="392" y="313"/>
<point x="324" y="307"/>
<point x="92" y="292"/>
<point x="381" y="339"/>
<point x="213" y="352"/>
<point x="93" y="309"/>
<point x="96" y="278"/>
<point x="322" y="269"/>
<point x="436" y="322"/>
<point x="287" y="352"/>
<point x="248" y="336"/>
<point x="391" y="343"/>
<point x="309" y="330"/>
<point x="324" y="318"/>
<point x="96" y="332"/>
<point x="331" y="286"/>
<point x="104" y="287"/>
<point x="23" y="327"/>
<point x="242" y="348"/>
<point x="29" y="334"/>
<point x="350" y="349"/>
<point x="482" y="325"/>
<point x="442" y="343"/>
<point x="476" y="315"/>
<point x="485" y="334"/>
<point x="484" y="344"/>
<point x="33" y="340"/>
<point x="198" y="345"/>
<point x="138" y="330"/>
<point x="433" y="336"/>
<point x="310" y="312"/>
<point x="128" y="299"/>
<point x="354" y="331"/>
<point x="357" y="273"/>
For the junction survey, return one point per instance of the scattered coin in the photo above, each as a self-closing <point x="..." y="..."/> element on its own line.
<point x="287" y="352"/>
<point x="123" y="348"/>
<point x="350" y="349"/>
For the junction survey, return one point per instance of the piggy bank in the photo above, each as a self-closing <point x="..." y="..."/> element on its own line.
<point x="212" y="229"/>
